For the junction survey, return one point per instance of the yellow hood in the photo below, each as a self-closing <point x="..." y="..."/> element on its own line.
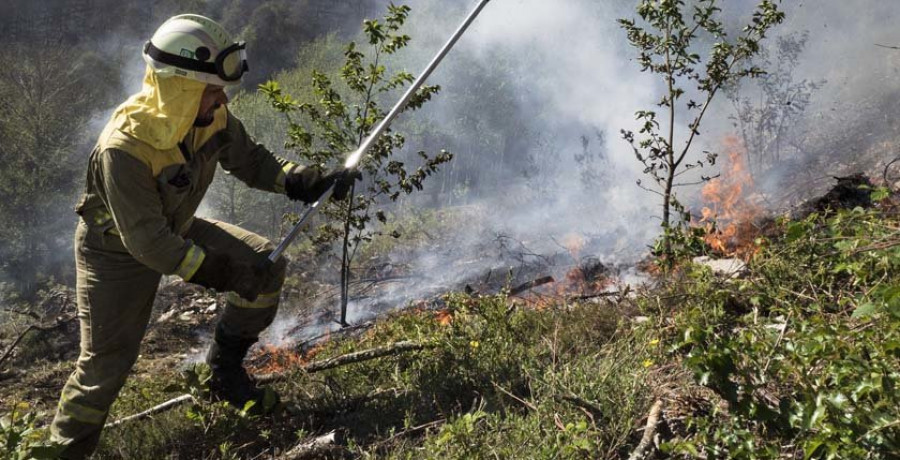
<point x="162" y="113"/>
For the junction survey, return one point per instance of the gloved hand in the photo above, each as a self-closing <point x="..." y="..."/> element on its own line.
<point x="308" y="184"/>
<point x="223" y="274"/>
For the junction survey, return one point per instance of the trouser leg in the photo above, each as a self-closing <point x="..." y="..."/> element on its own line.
<point x="115" y="298"/>
<point x="241" y="319"/>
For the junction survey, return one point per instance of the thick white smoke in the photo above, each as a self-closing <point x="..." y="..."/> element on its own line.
<point x="573" y="74"/>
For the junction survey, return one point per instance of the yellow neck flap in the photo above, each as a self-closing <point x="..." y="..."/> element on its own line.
<point x="162" y="113"/>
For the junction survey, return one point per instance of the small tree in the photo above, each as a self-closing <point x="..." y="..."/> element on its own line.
<point x="321" y="134"/>
<point x="593" y="162"/>
<point x="669" y="45"/>
<point x="765" y="113"/>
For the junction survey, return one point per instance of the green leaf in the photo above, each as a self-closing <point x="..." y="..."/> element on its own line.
<point x="795" y="231"/>
<point x="811" y="448"/>
<point x="865" y="310"/>
<point x="880" y="194"/>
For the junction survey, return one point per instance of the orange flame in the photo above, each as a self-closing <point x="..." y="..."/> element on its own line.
<point x="573" y="286"/>
<point x="729" y="216"/>
<point x="270" y="359"/>
<point x="443" y="317"/>
<point x="574" y="243"/>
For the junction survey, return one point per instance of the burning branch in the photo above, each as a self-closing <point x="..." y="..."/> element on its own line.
<point x="531" y="285"/>
<point x="729" y="215"/>
<point x="349" y="358"/>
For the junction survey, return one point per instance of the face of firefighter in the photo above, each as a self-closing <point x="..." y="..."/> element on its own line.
<point x="213" y="98"/>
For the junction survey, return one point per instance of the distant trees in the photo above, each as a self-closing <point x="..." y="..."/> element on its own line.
<point x="48" y="96"/>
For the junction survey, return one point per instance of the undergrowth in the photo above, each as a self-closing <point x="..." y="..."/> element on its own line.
<point x="498" y="380"/>
<point x="797" y="358"/>
<point x="802" y="353"/>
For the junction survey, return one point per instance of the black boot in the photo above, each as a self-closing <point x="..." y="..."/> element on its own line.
<point x="230" y="381"/>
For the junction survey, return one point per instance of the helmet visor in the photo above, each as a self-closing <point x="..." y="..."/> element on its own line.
<point x="231" y="63"/>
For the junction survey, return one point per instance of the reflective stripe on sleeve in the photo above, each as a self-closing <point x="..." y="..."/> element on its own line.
<point x="280" y="178"/>
<point x="191" y="262"/>
<point x="263" y="301"/>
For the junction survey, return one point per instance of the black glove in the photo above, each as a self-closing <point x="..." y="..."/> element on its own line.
<point x="223" y="274"/>
<point x="308" y="185"/>
<point x="214" y="272"/>
<point x="344" y="179"/>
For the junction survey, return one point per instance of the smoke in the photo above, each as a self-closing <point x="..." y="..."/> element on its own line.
<point x="531" y="85"/>
<point x="573" y="77"/>
<point x="570" y="71"/>
<point x="533" y="99"/>
<point x="542" y="76"/>
<point x="842" y="47"/>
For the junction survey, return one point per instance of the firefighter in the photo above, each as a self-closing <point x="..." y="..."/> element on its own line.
<point x="147" y="174"/>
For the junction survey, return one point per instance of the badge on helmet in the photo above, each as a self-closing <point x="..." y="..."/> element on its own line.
<point x="198" y="48"/>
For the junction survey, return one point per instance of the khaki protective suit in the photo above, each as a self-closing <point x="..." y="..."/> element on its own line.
<point x="146" y="177"/>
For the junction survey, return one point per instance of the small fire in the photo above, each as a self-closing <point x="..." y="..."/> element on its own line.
<point x="443" y="317"/>
<point x="728" y="216"/>
<point x="574" y="243"/>
<point x="579" y="283"/>
<point x="270" y="359"/>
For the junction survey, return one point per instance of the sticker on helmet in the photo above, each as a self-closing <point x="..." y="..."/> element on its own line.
<point x="187" y="53"/>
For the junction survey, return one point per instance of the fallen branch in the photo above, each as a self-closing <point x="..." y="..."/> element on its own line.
<point x="784" y="329"/>
<point x="337" y="361"/>
<point x="593" y="296"/>
<point x="29" y="314"/>
<point x="649" y="431"/>
<point x="518" y="399"/>
<point x="877" y="246"/>
<point x="531" y="285"/>
<point x="582" y="403"/>
<point x="386" y="279"/>
<point x="349" y="358"/>
<point x="409" y="431"/>
<point x="887" y="167"/>
<point x="315" y="448"/>
<point x="60" y="322"/>
<point x="175" y="402"/>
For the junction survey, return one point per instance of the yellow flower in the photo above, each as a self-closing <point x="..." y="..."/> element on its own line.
<point x="648" y="362"/>
<point x="474" y="344"/>
<point x="654" y="342"/>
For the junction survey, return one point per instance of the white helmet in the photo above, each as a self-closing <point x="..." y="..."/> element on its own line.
<point x="198" y="48"/>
